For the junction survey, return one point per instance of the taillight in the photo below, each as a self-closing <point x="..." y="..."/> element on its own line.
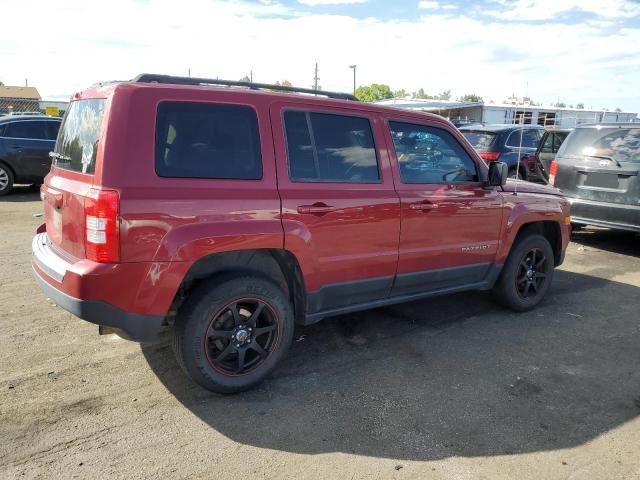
<point x="490" y="156"/>
<point x="101" y="239"/>
<point x="553" y="171"/>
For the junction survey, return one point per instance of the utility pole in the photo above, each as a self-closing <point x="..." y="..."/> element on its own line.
<point x="26" y="82"/>
<point x="354" y="77"/>
<point x="251" y="76"/>
<point x="189" y="72"/>
<point x="316" y="78"/>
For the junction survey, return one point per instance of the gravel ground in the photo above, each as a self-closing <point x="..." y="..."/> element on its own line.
<point x="451" y="388"/>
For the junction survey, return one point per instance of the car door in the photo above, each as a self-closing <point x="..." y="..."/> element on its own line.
<point x="30" y="147"/>
<point x="340" y="212"/>
<point x="520" y="143"/>
<point x="451" y="225"/>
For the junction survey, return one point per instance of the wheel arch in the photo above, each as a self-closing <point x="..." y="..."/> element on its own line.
<point x="550" y="230"/>
<point x="277" y="265"/>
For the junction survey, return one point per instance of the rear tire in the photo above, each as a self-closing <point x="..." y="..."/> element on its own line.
<point x="231" y="333"/>
<point x="527" y="273"/>
<point x="6" y="180"/>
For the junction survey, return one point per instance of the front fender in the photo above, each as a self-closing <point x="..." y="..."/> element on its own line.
<point x="522" y="209"/>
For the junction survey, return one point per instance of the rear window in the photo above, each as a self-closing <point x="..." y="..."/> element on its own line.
<point x="77" y="143"/>
<point x="481" y="141"/>
<point x="202" y="140"/>
<point x="619" y="144"/>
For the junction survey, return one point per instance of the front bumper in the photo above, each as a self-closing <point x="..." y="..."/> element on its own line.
<point x="50" y="269"/>
<point x="617" y="216"/>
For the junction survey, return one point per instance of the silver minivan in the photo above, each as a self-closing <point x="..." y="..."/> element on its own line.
<point x="597" y="168"/>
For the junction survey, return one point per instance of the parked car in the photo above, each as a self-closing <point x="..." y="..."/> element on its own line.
<point x="505" y="143"/>
<point x="597" y="168"/>
<point x="227" y="215"/>
<point x="536" y="165"/>
<point x="25" y="143"/>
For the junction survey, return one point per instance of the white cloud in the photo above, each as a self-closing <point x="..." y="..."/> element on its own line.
<point x="227" y="39"/>
<point x="313" y="3"/>
<point x="433" y="5"/>
<point x="550" y="9"/>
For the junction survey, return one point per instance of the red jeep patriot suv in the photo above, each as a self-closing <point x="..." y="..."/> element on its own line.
<point x="227" y="212"/>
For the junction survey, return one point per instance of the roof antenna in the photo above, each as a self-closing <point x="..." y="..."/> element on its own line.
<point x="515" y="190"/>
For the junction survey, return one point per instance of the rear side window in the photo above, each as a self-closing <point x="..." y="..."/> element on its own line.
<point x="77" y="143"/>
<point x="481" y="141"/>
<point x="618" y="144"/>
<point x="530" y="139"/>
<point x="203" y="140"/>
<point x="26" y="129"/>
<point x="51" y="130"/>
<point x="324" y="147"/>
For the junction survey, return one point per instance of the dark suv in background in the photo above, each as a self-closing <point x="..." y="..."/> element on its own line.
<point x="597" y="168"/>
<point x="504" y="142"/>
<point x="25" y="143"/>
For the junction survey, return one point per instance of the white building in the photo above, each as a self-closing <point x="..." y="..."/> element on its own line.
<point x="478" y="112"/>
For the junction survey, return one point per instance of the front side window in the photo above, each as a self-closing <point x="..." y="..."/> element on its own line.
<point x="204" y="140"/>
<point x="430" y="155"/>
<point x="324" y="147"/>
<point x="26" y="129"/>
<point x="547" y="147"/>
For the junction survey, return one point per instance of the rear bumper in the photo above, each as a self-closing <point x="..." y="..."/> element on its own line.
<point x="56" y="277"/>
<point x="603" y="214"/>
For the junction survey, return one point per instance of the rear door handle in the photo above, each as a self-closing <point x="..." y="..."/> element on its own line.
<point x="316" y="209"/>
<point x="425" y="205"/>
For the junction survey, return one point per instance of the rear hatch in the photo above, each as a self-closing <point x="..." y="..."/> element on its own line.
<point x="74" y="162"/>
<point x="601" y="164"/>
<point x="484" y="142"/>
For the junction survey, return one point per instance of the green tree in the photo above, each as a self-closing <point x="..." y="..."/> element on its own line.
<point x="446" y="95"/>
<point x="245" y="79"/>
<point x="283" y="83"/>
<point x="560" y="105"/>
<point x="580" y="106"/>
<point x="420" y="94"/>
<point x="618" y="109"/>
<point x="373" y="93"/>
<point x="470" y="97"/>
<point x="402" y="93"/>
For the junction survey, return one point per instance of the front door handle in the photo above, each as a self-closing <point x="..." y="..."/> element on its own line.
<point x="317" y="208"/>
<point x="425" y="205"/>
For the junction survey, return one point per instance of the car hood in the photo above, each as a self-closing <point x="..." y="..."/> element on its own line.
<point x="529" y="187"/>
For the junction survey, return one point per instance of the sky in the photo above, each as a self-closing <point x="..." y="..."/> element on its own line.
<point x="577" y="51"/>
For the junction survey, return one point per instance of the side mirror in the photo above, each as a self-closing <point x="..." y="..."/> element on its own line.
<point x="498" y="174"/>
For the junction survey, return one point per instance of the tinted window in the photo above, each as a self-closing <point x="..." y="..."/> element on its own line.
<point x="621" y="144"/>
<point x="2" y="128"/>
<point x="28" y="129"/>
<point x="530" y="139"/>
<point x="51" y="130"/>
<point x="330" y="148"/>
<point x="201" y="140"/>
<point x="481" y="141"/>
<point x="548" y="144"/>
<point x="430" y="155"/>
<point x="77" y="143"/>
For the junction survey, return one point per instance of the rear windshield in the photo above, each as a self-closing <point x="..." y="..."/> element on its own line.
<point x="481" y="141"/>
<point x="77" y="142"/>
<point x="619" y="144"/>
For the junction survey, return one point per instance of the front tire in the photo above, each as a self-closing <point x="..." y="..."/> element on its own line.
<point x="231" y="334"/>
<point x="527" y="273"/>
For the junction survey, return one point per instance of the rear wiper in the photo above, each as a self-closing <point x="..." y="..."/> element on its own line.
<point x="605" y="157"/>
<point x="59" y="156"/>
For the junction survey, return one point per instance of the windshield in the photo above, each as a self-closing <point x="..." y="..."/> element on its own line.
<point x="481" y="141"/>
<point x="619" y="144"/>
<point x="77" y="142"/>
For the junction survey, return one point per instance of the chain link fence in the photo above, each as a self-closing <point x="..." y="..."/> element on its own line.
<point x="25" y="106"/>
